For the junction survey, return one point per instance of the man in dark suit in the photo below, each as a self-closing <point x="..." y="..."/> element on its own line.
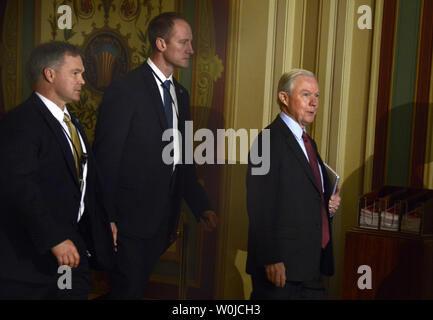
<point x="47" y="181"/>
<point x="289" y="207"/>
<point x="141" y="188"/>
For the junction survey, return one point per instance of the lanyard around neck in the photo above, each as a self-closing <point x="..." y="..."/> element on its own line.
<point x="168" y="91"/>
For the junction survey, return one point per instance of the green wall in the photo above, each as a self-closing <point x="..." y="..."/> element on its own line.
<point x="403" y="92"/>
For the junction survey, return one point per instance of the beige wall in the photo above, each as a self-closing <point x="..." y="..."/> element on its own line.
<point x="267" y="38"/>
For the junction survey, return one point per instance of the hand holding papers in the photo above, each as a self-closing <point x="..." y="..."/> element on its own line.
<point x="333" y="176"/>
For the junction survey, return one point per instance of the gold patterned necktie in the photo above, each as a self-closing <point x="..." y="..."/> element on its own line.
<point x="75" y="141"/>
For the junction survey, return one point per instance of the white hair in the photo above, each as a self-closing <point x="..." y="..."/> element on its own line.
<point x="287" y="80"/>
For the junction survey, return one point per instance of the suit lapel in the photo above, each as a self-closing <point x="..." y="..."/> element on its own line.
<point x="297" y="151"/>
<point x="56" y="128"/>
<point x="156" y="101"/>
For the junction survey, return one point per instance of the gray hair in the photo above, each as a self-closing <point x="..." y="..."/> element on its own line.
<point x="49" y="54"/>
<point x="287" y="80"/>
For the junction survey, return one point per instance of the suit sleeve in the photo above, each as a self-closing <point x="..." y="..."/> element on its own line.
<point x="22" y="187"/>
<point x="115" y="114"/>
<point x="193" y="193"/>
<point x="262" y="193"/>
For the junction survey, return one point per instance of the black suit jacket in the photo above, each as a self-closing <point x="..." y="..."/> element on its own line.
<point x="284" y="209"/>
<point x="138" y="190"/>
<point x="41" y="195"/>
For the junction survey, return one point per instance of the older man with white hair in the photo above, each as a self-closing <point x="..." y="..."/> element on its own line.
<point x="290" y="208"/>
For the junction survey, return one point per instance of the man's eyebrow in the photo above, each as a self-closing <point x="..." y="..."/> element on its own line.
<point x="306" y="90"/>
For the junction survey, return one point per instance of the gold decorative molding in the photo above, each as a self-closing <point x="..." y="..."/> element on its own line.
<point x="270" y="85"/>
<point x="325" y="66"/>
<point x="344" y="88"/>
<point x="208" y="66"/>
<point x="231" y="103"/>
<point x="372" y="105"/>
<point x="11" y="53"/>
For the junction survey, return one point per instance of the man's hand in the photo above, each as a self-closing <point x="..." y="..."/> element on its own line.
<point x="209" y="220"/>
<point x="114" y="231"/>
<point x="276" y="273"/>
<point x="334" y="201"/>
<point x="66" y="254"/>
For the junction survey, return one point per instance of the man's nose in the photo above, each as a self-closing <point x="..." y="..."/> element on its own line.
<point x="314" y="101"/>
<point x="190" y="49"/>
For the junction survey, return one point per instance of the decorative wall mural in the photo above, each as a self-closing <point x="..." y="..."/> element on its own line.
<point x="208" y="65"/>
<point x="84" y="9"/>
<point x="106" y="5"/>
<point x="130" y="10"/>
<point x="106" y="57"/>
<point x="111" y="35"/>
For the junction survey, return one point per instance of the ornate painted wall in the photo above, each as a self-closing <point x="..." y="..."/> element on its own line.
<point x="111" y="34"/>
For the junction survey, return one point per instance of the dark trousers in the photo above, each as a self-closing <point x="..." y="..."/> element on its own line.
<point x="293" y="290"/>
<point x="12" y="289"/>
<point x="135" y="260"/>
<point x="80" y="286"/>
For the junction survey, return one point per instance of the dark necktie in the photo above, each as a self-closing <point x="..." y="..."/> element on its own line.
<point x="167" y="103"/>
<point x="76" y="148"/>
<point x="315" y="167"/>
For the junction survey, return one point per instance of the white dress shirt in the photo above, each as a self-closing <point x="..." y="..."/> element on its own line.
<point x="175" y="108"/>
<point x="59" y="115"/>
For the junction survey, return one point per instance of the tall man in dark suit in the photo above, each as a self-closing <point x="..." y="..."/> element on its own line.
<point x="141" y="190"/>
<point x="47" y="188"/>
<point x="289" y="208"/>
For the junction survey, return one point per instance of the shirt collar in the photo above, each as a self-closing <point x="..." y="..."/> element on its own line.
<point x="159" y="72"/>
<point x="53" y="108"/>
<point x="292" y="125"/>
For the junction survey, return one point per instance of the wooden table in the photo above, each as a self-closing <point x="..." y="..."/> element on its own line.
<point x="401" y="265"/>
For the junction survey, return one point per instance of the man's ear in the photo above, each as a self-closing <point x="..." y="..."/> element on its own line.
<point x="48" y="74"/>
<point x="160" y="44"/>
<point x="284" y="97"/>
